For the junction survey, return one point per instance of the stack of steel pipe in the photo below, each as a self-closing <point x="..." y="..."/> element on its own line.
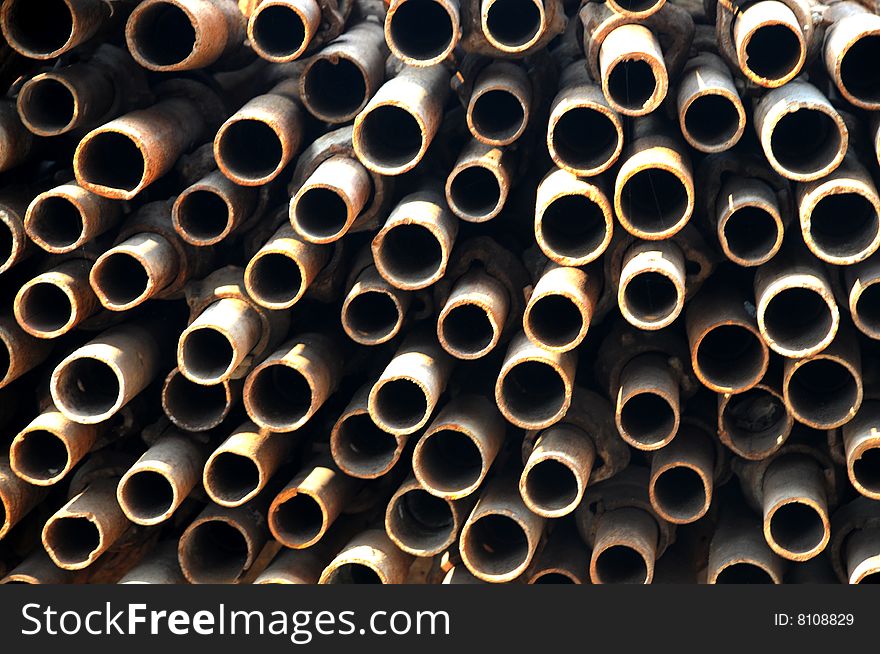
<point x="445" y="291"/>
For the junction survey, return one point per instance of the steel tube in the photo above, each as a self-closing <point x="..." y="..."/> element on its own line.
<point x="196" y="407"/>
<point x="512" y="26"/>
<point x="47" y="31"/>
<point x="212" y="209"/>
<point x="56" y="301"/>
<point x="851" y="43"/>
<point x="861" y="440"/>
<point x="281" y="30"/>
<point x="558" y="314"/>
<point x="633" y="69"/>
<point x="129" y="274"/>
<point x="423" y="524"/>
<point x="863" y="556"/>
<point x="771" y="47"/>
<point x="683" y="477"/>
<point x="67" y="217"/>
<point x="159" y="567"/>
<point x="19" y="351"/>
<point x="369" y="558"/>
<point x="710" y="112"/>
<point x="48" y="448"/>
<point x="625" y="549"/>
<point x="373" y="310"/>
<point x="327" y="204"/>
<point x="471" y="321"/>
<point x="754" y="424"/>
<point x="295" y="567"/>
<point x="647" y="411"/>
<point x="38" y="569"/>
<point x="478" y="184"/>
<point x="422" y="32"/>
<point x="500" y="105"/>
<point x="862" y="295"/>
<point x="14" y="244"/>
<point x="359" y="447"/>
<point x="738" y="554"/>
<point x="652" y="286"/>
<point x="748" y="222"/>
<point x="17" y="497"/>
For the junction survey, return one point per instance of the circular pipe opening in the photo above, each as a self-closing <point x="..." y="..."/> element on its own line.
<point x="421" y="521"/>
<point x="555" y="320"/>
<point x="390" y="136"/>
<point x="574" y="226"/>
<point x="214" y="552"/>
<point x="859" y="75"/>
<point x="844" y="224"/>
<point x="48" y="105"/>
<point x="743" y="572"/>
<point x="45" y="308"/>
<point x="40" y="28"/>
<point x="797" y="528"/>
<point x="335" y="90"/>
<point x="421" y="29"/>
<point x="362" y="447"/>
<point x="711" y="120"/>
<point x="298" y="520"/>
<point x="620" y="564"/>
<point x="584" y="138"/>
<point x="475" y="191"/>
<point x="552" y="578"/>
<point x="400" y="404"/>
<point x="353" y="573"/>
<point x="751" y="234"/>
<point x="203" y="215"/>
<point x="232" y="477"/>
<point x="731" y="356"/>
<point x="823" y="391"/>
<point x="111" y="160"/>
<point x="496" y="544"/>
<point x="120" y="278"/>
<point x="631" y="84"/>
<point x="755" y="421"/>
<point x="533" y="391"/>
<point x="868" y="307"/>
<point x="410" y="253"/>
<point x="498" y="115"/>
<point x="651" y="297"/>
<point x="680" y="493"/>
<point x="250" y="150"/>
<point x="866" y="470"/>
<point x="162" y="35"/>
<point x="278" y="31"/>
<point x="772" y="52"/>
<point x="514" y="23"/>
<point x="448" y="461"/>
<point x="195" y="407"/>
<point x="467" y="330"/>
<point x="40" y="455"/>
<point x="321" y="212"/>
<point x="207" y="354"/>
<point x="647" y="418"/>
<point x="280" y="396"/>
<point x="87" y="387"/>
<point x="372" y="315"/>
<point x="551" y="485"/>
<point x="72" y="540"/>
<point x="274" y="278"/>
<point x="798" y="318"/>
<point x="805" y="141"/>
<point x="653" y="200"/>
<point x="55" y="221"/>
<point x="147" y="495"/>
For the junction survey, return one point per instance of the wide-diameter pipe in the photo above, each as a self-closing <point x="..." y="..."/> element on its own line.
<point x="196" y="407"/>
<point x="56" y="301"/>
<point x="574" y="219"/>
<point x="373" y="310"/>
<point x="840" y="215"/>
<point x="852" y="43"/>
<point x="393" y="132"/>
<point x="330" y="200"/>
<point x="86" y="527"/>
<point x="710" y="112"/>
<point x="422" y="32"/>
<point x="96" y="380"/>
<point x="727" y="352"/>
<point x="756" y="423"/>
<point x="795" y="506"/>
<point x="19" y="351"/>
<point x="748" y="221"/>
<point x="534" y="386"/>
<point x="863" y="295"/>
<point x="67" y="217"/>
<point x="500" y="537"/>
<point x="479" y="183"/>
<point x="454" y="455"/>
<point x="158" y="483"/>
<point x="423" y="524"/>
<point x="178" y="35"/>
<point x="682" y="477"/>
<point x="651" y="290"/>
<point x="634" y="76"/>
<point x="256" y="143"/>
<point x="802" y="135"/>
<point x="289" y="386"/>
<point x="217" y="342"/>
<point x="212" y="209"/>
<point x="17" y="497"/>
<point x="339" y="80"/>
<point x="239" y="469"/>
<point x="863" y="556"/>
<point x="472" y="319"/>
<point x="647" y="410"/>
<point x="369" y="558"/>
<point x="132" y="272"/>
<point x="625" y="549"/>
<point x="558" y="314"/>
<point x="221" y="544"/>
<point x="48" y="448"/>
<point x="771" y="47"/>
<point x="406" y="393"/>
<point x="281" y="30"/>
<point x="412" y="249"/>
<point x="797" y="313"/>
<point x="306" y="508"/>
<point x="557" y="471"/>
<point x="861" y="441"/>
<point x="584" y="132"/>
<point x="500" y="104"/>
<point x="512" y="26"/>
<point x="359" y="447"/>
<point x="738" y="554"/>
<point x="49" y="29"/>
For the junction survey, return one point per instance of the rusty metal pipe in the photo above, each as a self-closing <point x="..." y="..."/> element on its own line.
<point x="216" y="344"/>
<point x="38" y="569"/>
<point x="56" y="301"/>
<point x="500" y="104"/>
<point x="647" y="411"/>
<point x="840" y="215"/>
<point x="852" y="42"/>
<point x="727" y="352"/>
<point x="471" y="321"/>
<point x="178" y="35"/>
<point x="256" y="143"/>
<point x="557" y="471"/>
<point x="797" y="313"/>
<point x="58" y="102"/>
<point x="161" y="479"/>
<point x="212" y="209"/>
<point x="802" y="135"/>
<point x="634" y="76"/>
<point x="48" y="30"/>
<point x="288" y="387"/>
<point x="748" y="221"/>
<point x="862" y="295"/>
<point x="393" y="132"/>
<point x="574" y="220"/>
<point x="19" y="351"/>
<point x="558" y="314"/>
<point x="85" y="527"/>
<point x="861" y="440"/>
<point x="67" y="217"/>
<point x="159" y="567"/>
<point x="512" y="26"/>
<point x="295" y="567"/>
<point x="412" y="249"/>
<point x="14" y="244"/>
<point x="359" y="447"/>
<point x="564" y="560"/>
<point x="863" y="556"/>
<point x="305" y="509"/>
<point x="96" y="380"/>
<point x="239" y="469"/>
<point x="48" y="448"/>
<point x="327" y="204"/>
<point x="129" y="274"/>
<point x="17" y="140"/>
<point x="795" y="507"/>
<point x="406" y="393"/>
<point x="500" y="537"/>
<point x="771" y="47"/>
<point x="682" y="477"/>
<point x="338" y="81"/>
<point x="373" y="310"/>
<point x="636" y="8"/>
<point x="626" y="547"/>
<point x="17" y="497"/>
<point x="652" y="286"/>
<point x="710" y="112"/>
<point x="454" y="455"/>
<point x="478" y="184"/>
<point x="281" y="30"/>
<point x="369" y="558"/>
<point x="738" y="554"/>
<point x="221" y="544"/>
<point x="196" y="407"/>
<point x="754" y="424"/>
<point x="534" y="385"/>
<point x="280" y="273"/>
<point x="423" y="524"/>
<point x="422" y="32"/>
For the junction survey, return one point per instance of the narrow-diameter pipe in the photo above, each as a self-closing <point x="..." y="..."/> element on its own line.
<point x="861" y="441"/>
<point x="330" y="200"/>
<point x="626" y="547"/>
<point x="17" y="497"/>
<point x="771" y="47"/>
<point x="500" y="104"/>
<point x="67" y="217"/>
<point x="513" y="26"/>
<point x="472" y="319"/>
<point x="652" y="286"/>
<point x="852" y="43"/>
<point x="359" y="447"/>
<point x="710" y="112"/>
<point x="373" y="310"/>
<point x="738" y="554"/>
<point x="129" y="274"/>
<point x="196" y="407"/>
<point x="479" y="183"/>
<point x="56" y="301"/>
<point x="281" y="30"/>
<point x="422" y="32"/>
<point x="634" y="76"/>
<point x="863" y="295"/>
<point x="423" y="524"/>
<point x="49" y="29"/>
<point x="682" y="477"/>
<point x="748" y="221"/>
<point x="647" y="410"/>
<point x="58" y="102"/>
<point x="863" y="556"/>
<point x="558" y="314"/>
<point x="48" y="448"/>
<point x="19" y="351"/>
<point x="212" y="209"/>
<point x="369" y="558"/>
